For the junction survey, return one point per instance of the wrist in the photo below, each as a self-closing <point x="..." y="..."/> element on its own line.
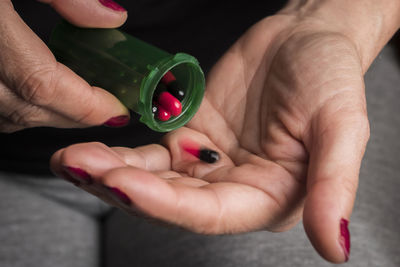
<point x="369" y="24"/>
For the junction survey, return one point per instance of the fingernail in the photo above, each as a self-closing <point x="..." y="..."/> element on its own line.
<point x="79" y="175"/>
<point x="111" y="4"/>
<point x="344" y="238"/>
<point x="70" y="179"/>
<point x="121" y="196"/>
<point x="117" y="121"/>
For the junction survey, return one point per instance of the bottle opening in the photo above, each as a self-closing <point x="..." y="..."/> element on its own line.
<point x="184" y="80"/>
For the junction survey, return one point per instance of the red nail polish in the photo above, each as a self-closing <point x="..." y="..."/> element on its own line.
<point x="69" y="178"/>
<point x="79" y="175"/>
<point x="344" y="238"/>
<point x="121" y="196"/>
<point x="117" y="121"/>
<point x="170" y="103"/>
<point x="113" y="5"/>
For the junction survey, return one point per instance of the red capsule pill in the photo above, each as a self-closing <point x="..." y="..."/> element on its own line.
<point x="170" y="103"/>
<point x="168" y="77"/>
<point x="162" y="114"/>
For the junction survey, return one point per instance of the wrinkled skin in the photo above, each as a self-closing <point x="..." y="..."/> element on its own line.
<point x="285" y="108"/>
<point x="35" y="89"/>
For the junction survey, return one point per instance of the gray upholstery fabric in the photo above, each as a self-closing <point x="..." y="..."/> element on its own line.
<point x="47" y="222"/>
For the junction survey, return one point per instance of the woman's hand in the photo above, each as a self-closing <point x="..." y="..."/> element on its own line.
<point x="36" y="90"/>
<point x="285" y="108"/>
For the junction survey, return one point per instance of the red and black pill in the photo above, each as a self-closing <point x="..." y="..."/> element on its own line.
<point x="170" y="103"/>
<point x="167" y="98"/>
<point x="165" y="105"/>
<point x="204" y="154"/>
<point x="162" y="114"/>
<point x="173" y="86"/>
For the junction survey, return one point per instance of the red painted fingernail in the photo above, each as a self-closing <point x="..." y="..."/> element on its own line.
<point x="78" y="175"/>
<point x="344" y="238"/>
<point x="170" y="103"/>
<point x="69" y="178"/>
<point x="121" y="196"/>
<point x="117" y="121"/>
<point x="113" y="5"/>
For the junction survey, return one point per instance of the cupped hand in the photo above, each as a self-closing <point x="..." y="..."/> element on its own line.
<point x="36" y="90"/>
<point x="285" y="108"/>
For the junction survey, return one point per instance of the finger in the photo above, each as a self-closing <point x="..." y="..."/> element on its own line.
<point x="94" y="164"/>
<point x="183" y="140"/>
<point x="81" y="179"/>
<point x="94" y="157"/>
<point x="18" y="114"/>
<point x="8" y="127"/>
<point x="193" y="182"/>
<point x="92" y="13"/>
<point x="75" y="162"/>
<point x="97" y="158"/>
<point x="339" y="142"/>
<point x="151" y="157"/>
<point x="29" y="68"/>
<point x="56" y="88"/>
<point x="211" y="209"/>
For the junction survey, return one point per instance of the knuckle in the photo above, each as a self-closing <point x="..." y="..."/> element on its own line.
<point x="87" y="116"/>
<point x="349" y="186"/>
<point x="360" y="123"/>
<point x="38" y="87"/>
<point x="9" y="128"/>
<point x="28" y="116"/>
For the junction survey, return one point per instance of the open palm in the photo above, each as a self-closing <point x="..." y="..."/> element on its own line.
<point x="285" y="108"/>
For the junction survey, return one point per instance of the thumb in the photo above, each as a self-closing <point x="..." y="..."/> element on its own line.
<point x="338" y="145"/>
<point x="90" y="13"/>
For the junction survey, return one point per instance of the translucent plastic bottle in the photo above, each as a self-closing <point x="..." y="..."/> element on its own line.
<point x="130" y="69"/>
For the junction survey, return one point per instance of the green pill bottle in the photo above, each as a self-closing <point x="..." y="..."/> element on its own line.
<point x="130" y="69"/>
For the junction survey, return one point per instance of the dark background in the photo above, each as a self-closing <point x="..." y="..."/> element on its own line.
<point x="204" y="29"/>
